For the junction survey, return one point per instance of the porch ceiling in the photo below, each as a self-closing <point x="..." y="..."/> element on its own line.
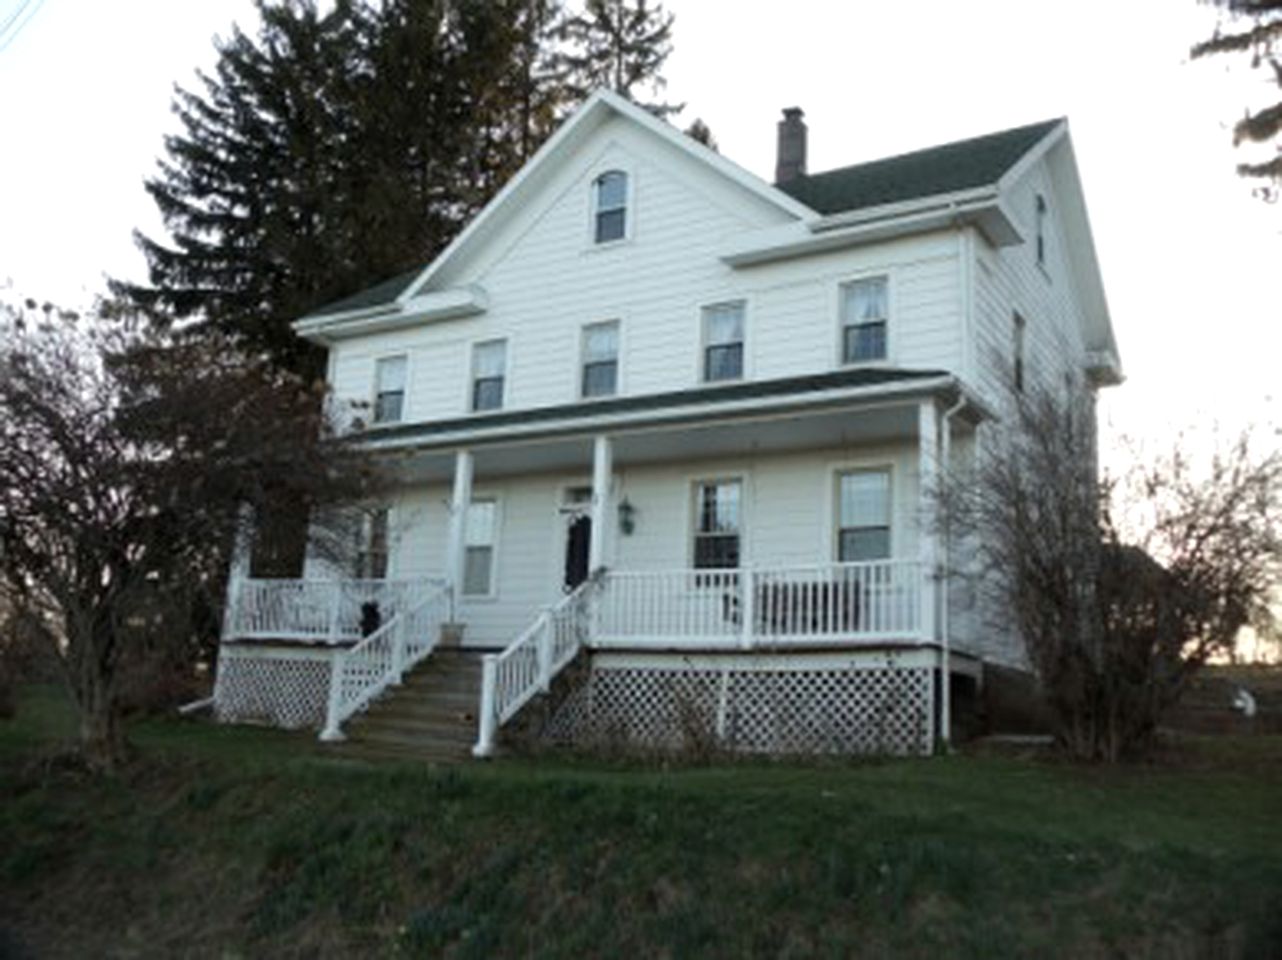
<point x="741" y="437"/>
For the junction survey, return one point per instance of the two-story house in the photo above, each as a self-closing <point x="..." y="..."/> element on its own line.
<point x="655" y="416"/>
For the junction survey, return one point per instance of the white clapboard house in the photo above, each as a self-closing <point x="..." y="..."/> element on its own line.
<point x="665" y="433"/>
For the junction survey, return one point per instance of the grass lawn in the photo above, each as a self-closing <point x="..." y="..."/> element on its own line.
<point x="229" y="842"/>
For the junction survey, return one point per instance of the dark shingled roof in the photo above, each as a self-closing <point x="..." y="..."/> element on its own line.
<point x="375" y="296"/>
<point x="922" y="173"/>
<point x="706" y="397"/>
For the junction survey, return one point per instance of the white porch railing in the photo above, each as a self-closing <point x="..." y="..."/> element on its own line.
<point x="380" y="660"/>
<point x="816" y="603"/>
<point x="321" y="611"/>
<point x="510" y="679"/>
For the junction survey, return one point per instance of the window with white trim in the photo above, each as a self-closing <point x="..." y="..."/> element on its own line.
<point x="865" y="314"/>
<point x="863" y="515"/>
<point x="610" y="206"/>
<point x="478" y="554"/>
<point x="718" y="507"/>
<point x="723" y="341"/>
<point x="489" y="370"/>
<point x="389" y="388"/>
<point x="1017" y="351"/>
<point x="1040" y="204"/>
<point x="372" y="552"/>
<point x="600" y="374"/>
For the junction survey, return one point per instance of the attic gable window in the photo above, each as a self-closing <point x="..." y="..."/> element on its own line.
<point x="865" y="312"/>
<point x="610" y="206"/>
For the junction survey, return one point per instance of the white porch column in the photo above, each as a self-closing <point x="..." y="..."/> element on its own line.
<point x="602" y="471"/>
<point x="238" y="572"/>
<point x="456" y="548"/>
<point x="928" y="533"/>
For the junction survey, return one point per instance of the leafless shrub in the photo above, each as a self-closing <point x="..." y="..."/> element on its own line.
<point x="1122" y="588"/>
<point x="125" y="460"/>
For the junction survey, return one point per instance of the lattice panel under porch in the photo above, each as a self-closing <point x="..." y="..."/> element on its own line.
<point x="808" y="710"/>
<point x="285" y="689"/>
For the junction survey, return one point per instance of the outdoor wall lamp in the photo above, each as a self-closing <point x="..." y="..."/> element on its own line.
<point x="627" y="517"/>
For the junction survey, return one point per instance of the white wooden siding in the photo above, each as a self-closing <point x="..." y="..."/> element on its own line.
<point x="544" y="280"/>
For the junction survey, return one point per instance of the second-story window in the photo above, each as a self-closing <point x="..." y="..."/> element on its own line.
<point x="1017" y="351"/>
<point x="389" y="389"/>
<point x="865" y="312"/>
<point x="723" y="342"/>
<point x="600" y="376"/>
<point x="489" y="370"/>
<point x="1040" y="204"/>
<point x="610" y="206"/>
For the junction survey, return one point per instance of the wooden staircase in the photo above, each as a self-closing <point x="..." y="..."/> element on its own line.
<point x="430" y="717"/>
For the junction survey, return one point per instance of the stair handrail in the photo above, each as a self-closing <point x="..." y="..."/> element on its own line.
<point x="527" y="666"/>
<point x="364" y="671"/>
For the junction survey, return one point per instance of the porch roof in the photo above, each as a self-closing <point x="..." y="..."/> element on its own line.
<point x="698" y="403"/>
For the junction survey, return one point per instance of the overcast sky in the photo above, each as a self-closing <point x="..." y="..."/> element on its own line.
<point x="1191" y="261"/>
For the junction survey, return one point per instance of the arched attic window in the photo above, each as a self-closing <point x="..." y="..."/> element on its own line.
<point x="610" y="206"/>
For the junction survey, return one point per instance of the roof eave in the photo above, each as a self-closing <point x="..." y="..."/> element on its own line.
<point x="982" y="208"/>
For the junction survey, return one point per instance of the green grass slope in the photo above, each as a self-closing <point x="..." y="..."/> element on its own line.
<point x="227" y="842"/>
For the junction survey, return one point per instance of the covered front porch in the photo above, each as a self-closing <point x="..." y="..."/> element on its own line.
<point x="712" y="533"/>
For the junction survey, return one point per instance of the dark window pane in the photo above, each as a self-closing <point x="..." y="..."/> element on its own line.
<point x="865" y="341"/>
<point x="716" y="551"/>
<point x="610" y="224"/>
<point x="387" y="408"/>
<point x="864" y="543"/>
<point x="487" y="393"/>
<point x="599" y="379"/>
<point x="724" y="362"/>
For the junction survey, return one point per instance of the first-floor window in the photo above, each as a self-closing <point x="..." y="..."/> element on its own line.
<point x="863" y="511"/>
<point x="489" y="369"/>
<point x="865" y="312"/>
<point x="478" y="558"/>
<point x="371" y="547"/>
<point x="718" y="519"/>
<point x="1017" y="351"/>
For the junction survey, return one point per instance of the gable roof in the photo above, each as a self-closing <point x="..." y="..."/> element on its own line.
<point x="946" y="168"/>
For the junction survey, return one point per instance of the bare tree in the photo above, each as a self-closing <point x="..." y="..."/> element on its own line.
<point x="1121" y="588"/>
<point x="125" y="462"/>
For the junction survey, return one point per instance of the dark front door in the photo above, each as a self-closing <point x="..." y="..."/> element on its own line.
<point x="578" y="538"/>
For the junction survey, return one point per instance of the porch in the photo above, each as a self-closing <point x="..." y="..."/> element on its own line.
<point x="770" y="533"/>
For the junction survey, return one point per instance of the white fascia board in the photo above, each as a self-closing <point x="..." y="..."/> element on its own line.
<point x="443" y="305"/>
<point x="988" y="214"/>
<point x="1032" y="156"/>
<point x="583" y="120"/>
<point x="700" y="412"/>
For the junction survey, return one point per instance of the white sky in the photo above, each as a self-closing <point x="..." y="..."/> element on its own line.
<point x="1191" y="261"/>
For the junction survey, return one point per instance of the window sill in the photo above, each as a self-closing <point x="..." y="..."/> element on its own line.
<point x="607" y="245"/>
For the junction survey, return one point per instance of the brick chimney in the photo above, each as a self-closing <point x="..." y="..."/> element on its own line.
<point x="790" y="161"/>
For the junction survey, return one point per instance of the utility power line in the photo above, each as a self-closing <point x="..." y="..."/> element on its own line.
<point x="16" y="21"/>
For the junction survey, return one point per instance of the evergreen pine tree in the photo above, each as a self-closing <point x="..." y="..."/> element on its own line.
<point x="335" y="150"/>
<point x="1260" y="36"/>
<point x="620" y="44"/>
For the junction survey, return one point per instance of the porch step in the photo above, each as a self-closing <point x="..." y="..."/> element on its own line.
<point x="430" y="717"/>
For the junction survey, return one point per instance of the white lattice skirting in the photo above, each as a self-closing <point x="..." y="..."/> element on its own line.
<point x="754" y="704"/>
<point x="281" y="687"/>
